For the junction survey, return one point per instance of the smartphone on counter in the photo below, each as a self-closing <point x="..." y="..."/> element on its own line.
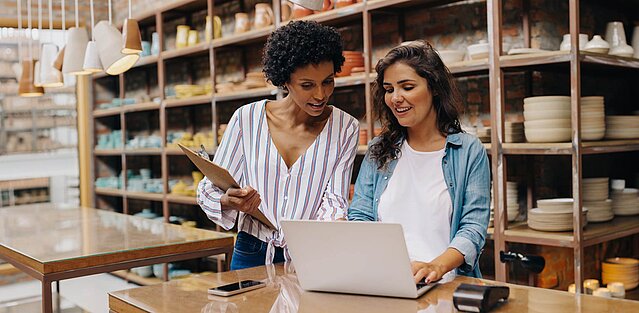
<point x="235" y="288"/>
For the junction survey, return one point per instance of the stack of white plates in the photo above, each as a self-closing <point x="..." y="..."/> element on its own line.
<point x="622" y="127"/>
<point x="512" y="203"/>
<point x="624" y="270"/>
<point x="595" y="199"/>
<point x="547" y="119"/>
<point x="483" y="134"/>
<point x="625" y="202"/>
<point x="553" y="215"/>
<point x="514" y="132"/>
<point x="593" y="122"/>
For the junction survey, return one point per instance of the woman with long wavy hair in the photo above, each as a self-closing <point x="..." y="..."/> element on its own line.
<point x="422" y="171"/>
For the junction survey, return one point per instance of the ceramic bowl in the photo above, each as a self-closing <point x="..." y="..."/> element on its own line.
<point x="548" y="135"/>
<point x="479" y="50"/>
<point x="546" y="114"/>
<point x="553" y="123"/>
<point x="451" y="56"/>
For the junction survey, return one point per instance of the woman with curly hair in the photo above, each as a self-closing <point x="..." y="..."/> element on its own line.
<point x="293" y="156"/>
<point x="422" y="171"/>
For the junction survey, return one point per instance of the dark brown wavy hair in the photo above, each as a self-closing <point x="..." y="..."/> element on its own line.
<point x="421" y="56"/>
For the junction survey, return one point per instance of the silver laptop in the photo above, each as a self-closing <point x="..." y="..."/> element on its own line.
<point x="352" y="257"/>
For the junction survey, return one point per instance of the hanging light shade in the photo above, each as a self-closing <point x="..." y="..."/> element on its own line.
<point x="36" y="74"/>
<point x="77" y="40"/>
<point x="26" y="88"/>
<point x="59" y="60"/>
<point x="49" y="75"/>
<point x="132" y="38"/>
<point x="92" y="61"/>
<point x="110" y="49"/>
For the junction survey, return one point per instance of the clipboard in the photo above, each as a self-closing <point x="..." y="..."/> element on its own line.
<point x="221" y="178"/>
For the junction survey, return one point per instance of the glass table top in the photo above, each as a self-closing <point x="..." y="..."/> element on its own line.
<point x="48" y="233"/>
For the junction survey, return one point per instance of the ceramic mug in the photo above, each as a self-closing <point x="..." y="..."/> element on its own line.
<point x="193" y="37"/>
<point x="241" y="22"/>
<point x="182" y="36"/>
<point x="263" y="15"/>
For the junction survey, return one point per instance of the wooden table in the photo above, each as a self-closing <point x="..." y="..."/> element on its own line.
<point x="52" y="243"/>
<point x="283" y="294"/>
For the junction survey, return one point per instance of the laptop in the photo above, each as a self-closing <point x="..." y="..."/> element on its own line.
<point x="368" y="258"/>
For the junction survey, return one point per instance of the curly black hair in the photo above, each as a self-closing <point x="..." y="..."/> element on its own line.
<point x="298" y="44"/>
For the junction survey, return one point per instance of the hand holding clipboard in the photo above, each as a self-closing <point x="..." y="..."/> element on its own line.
<point x="222" y="179"/>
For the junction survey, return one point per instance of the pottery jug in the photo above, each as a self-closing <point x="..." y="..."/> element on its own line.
<point x="263" y="15"/>
<point x="241" y="22"/>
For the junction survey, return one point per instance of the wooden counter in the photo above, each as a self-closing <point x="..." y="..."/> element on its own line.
<point x="52" y="243"/>
<point x="283" y="294"/>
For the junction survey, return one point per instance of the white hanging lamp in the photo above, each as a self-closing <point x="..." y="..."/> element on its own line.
<point x="91" y="58"/>
<point x="59" y="60"/>
<point x="110" y="48"/>
<point x="131" y="35"/>
<point x="77" y="40"/>
<point x="50" y="77"/>
<point x="26" y="88"/>
<point x="36" y="72"/>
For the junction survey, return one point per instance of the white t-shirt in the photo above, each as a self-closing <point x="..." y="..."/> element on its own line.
<point x="417" y="198"/>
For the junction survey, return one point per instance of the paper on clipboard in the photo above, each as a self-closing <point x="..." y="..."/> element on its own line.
<point x="220" y="177"/>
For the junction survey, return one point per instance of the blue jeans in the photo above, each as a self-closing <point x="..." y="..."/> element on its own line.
<point x="250" y="252"/>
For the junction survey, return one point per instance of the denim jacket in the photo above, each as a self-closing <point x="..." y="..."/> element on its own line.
<point x="467" y="174"/>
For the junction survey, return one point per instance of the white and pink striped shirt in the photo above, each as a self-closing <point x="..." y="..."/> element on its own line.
<point x="314" y="188"/>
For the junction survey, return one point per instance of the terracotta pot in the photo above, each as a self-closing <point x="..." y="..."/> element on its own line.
<point x="343" y="3"/>
<point x="299" y="11"/>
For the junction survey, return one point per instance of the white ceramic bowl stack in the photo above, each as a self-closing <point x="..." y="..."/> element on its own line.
<point x="514" y="132"/>
<point x="553" y="215"/>
<point x="593" y="119"/>
<point x="622" y="127"/>
<point x="623" y="270"/>
<point x="625" y="202"/>
<point x="547" y="119"/>
<point x="595" y="199"/>
<point x="512" y="203"/>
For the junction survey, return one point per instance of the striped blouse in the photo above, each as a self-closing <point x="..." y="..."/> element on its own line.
<point x="314" y="188"/>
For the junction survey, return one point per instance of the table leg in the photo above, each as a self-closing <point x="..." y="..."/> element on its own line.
<point x="47" y="305"/>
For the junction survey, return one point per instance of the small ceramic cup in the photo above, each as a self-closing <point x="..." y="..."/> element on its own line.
<point x="618" y="184"/>
<point x="602" y="292"/>
<point x="617" y="289"/>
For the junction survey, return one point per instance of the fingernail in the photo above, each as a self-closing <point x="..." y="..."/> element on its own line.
<point x="427" y="281"/>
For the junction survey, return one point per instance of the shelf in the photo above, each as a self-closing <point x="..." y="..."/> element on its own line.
<point x="181" y="199"/>
<point x="243" y="38"/>
<point x="387" y="4"/>
<point x="173" y="151"/>
<point x="335" y="15"/>
<point x="147" y="60"/>
<point x="143" y="151"/>
<point x="107" y="152"/>
<point x="109" y="192"/>
<point x="556" y="57"/>
<point x="145" y="196"/>
<point x="25" y="183"/>
<point x="198" y="49"/>
<point x="31" y="128"/>
<point x="594" y="233"/>
<point x="565" y="148"/>
<point x="469" y="67"/>
<point x="138" y="107"/>
<point x="43" y="108"/>
<point x="137" y="279"/>
<point x="107" y="112"/>
<point x="353" y="80"/>
<point x="173" y="103"/>
<point x="245" y="94"/>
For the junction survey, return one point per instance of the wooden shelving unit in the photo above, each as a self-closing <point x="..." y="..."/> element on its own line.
<point x="494" y="68"/>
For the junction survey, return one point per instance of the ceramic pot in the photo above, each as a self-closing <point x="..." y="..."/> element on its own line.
<point x="565" y="44"/>
<point x="264" y="16"/>
<point x="241" y="23"/>
<point x="343" y="3"/>
<point x="182" y="36"/>
<point x="286" y="9"/>
<point x="193" y="38"/>
<point x="597" y="44"/>
<point x="299" y="11"/>
<point x="615" y="35"/>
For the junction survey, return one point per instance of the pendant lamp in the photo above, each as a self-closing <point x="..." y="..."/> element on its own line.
<point x="131" y="35"/>
<point x="77" y="40"/>
<point x="50" y="76"/>
<point x="26" y="88"/>
<point x="59" y="60"/>
<point x="315" y="5"/>
<point x="110" y="45"/>
<point x="91" y="58"/>
<point x="36" y="72"/>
